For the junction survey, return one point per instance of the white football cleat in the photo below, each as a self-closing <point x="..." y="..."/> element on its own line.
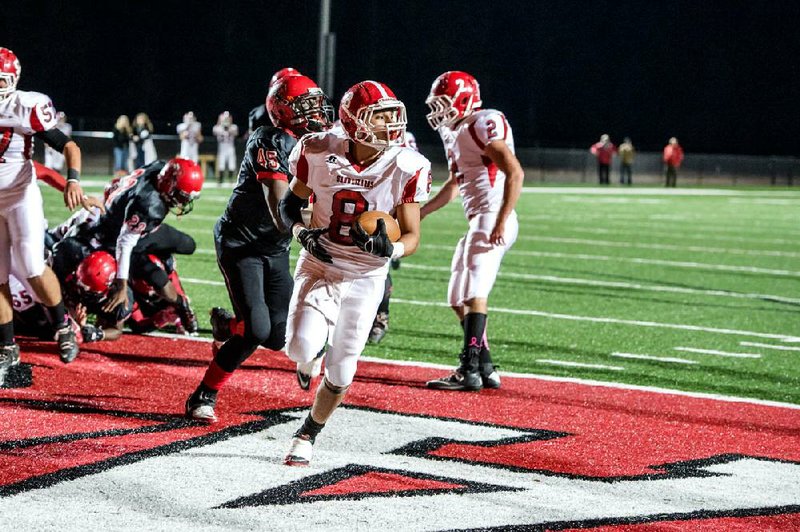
<point x="308" y="371"/>
<point x="299" y="452"/>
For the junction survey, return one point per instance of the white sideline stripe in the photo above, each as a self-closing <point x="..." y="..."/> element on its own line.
<point x="617" y="321"/>
<point x="620" y="284"/>
<point x="191" y="280"/>
<point x="642" y="260"/>
<point x="651" y="357"/>
<point x="717" y="353"/>
<point x="591" y="282"/>
<point x="672" y="247"/>
<point x="577" y="364"/>
<point x="668" y="234"/>
<point x="548" y="378"/>
<point x="638" y="323"/>
<point x="770" y="346"/>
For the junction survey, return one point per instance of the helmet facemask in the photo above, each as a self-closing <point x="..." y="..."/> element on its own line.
<point x="443" y="112"/>
<point x="370" y="135"/>
<point x="313" y="112"/>
<point x="11" y="84"/>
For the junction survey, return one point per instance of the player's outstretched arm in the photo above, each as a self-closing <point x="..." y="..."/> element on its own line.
<point x="73" y="194"/>
<point x="446" y="194"/>
<point x="499" y="152"/>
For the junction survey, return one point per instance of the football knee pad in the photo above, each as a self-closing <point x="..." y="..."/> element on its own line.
<point x="335" y="390"/>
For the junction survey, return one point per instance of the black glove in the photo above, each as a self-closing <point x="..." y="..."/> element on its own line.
<point x="378" y="243"/>
<point x="309" y="239"/>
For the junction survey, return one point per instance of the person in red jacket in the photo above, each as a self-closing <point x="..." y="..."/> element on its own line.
<point x="604" y="150"/>
<point x="673" y="156"/>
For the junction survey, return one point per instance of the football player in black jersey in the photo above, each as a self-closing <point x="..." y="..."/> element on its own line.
<point x="258" y="115"/>
<point x="252" y="244"/>
<point x="135" y="207"/>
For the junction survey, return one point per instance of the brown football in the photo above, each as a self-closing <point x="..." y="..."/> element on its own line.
<point x="369" y="222"/>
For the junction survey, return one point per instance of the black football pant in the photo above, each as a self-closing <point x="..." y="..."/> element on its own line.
<point x="163" y="243"/>
<point x="602" y="173"/>
<point x="260" y="287"/>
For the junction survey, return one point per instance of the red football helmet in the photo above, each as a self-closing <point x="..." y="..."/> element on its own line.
<point x="10" y="70"/>
<point x="283" y="73"/>
<point x="296" y="103"/>
<point x="360" y="103"/>
<point x="180" y="183"/>
<point x="96" y="272"/>
<point x="453" y="96"/>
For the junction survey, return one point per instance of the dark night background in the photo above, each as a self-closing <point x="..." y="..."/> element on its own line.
<point x="721" y="76"/>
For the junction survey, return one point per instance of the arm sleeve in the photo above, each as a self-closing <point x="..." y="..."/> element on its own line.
<point x="54" y="138"/>
<point x="290" y="207"/>
<point x="51" y="177"/>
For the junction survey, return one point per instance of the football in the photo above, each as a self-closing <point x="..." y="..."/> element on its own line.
<point x="369" y="222"/>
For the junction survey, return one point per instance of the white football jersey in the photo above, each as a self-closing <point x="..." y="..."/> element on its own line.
<point x="22" y="295"/>
<point x="480" y="181"/>
<point x="343" y="190"/>
<point x="22" y="115"/>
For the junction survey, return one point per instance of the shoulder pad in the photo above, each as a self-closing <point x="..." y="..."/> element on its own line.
<point x="31" y="99"/>
<point x="410" y="160"/>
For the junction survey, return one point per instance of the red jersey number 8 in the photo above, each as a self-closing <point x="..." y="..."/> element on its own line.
<point x="347" y="205"/>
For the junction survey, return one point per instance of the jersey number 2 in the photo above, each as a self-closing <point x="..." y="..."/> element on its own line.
<point x="347" y="205"/>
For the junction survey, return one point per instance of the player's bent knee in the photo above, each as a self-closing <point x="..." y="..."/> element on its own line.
<point x="300" y="350"/>
<point x="333" y="388"/>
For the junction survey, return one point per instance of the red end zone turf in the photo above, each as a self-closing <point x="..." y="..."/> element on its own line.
<point x="121" y="403"/>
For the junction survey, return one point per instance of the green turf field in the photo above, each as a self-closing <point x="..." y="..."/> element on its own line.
<point x="694" y="292"/>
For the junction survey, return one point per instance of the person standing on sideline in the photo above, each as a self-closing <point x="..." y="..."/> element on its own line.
<point x="358" y="167"/>
<point x="121" y="137"/>
<point x="627" y="153"/>
<point x="253" y="245"/>
<point x="53" y="158"/>
<point x="484" y="170"/>
<point x="142" y="129"/>
<point x="226" y="132"/>
<point x="673" y="157"/>
<point x="604" y="150"/>
<point x="190" y="132"/>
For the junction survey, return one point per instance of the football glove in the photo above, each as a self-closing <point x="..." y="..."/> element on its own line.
<point x="377" y="244"/>
<point x="309" y="239"/>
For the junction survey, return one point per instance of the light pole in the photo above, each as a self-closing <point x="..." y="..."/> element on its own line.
<point x="326" y="53"/>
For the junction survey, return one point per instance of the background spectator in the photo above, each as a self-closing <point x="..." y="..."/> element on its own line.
<point x="673" y="157"/>
<point x="604" y="151"/>
<point x="191" y="136"/>
<point x="226" y="132"/>
<point x="626" y="155"/>
<point x="142" y="129"/>
<point x="121" y="137"/>
<point x="53" y="158"/>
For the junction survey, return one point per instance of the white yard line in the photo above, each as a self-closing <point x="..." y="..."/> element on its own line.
<point x="716" y="352"/>
<point x="638" y="323"/>
<point x="619" y="284"/>
<point x="616" y="321"/>
<point x="655" y="358"/>
<point x="577" y="364"/>
<point x="770" y="346"/>
<point x="643" y="260"/>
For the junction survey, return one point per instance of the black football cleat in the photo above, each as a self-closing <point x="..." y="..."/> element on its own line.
<point x="459" y="380"/>
<point x="220" y="319"/>
<point x="67" y="341"/>
<point x="200" y="406"/>
<point x="379" y="328"/>
<point x="9" y="356"/>
<point x="489" y="376"/>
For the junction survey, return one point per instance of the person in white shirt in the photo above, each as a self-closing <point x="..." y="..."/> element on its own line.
<point x="226" y="132"/>
<point x="190" y="133"/>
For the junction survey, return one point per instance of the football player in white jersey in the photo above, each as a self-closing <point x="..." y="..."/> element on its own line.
<point x="24" y="115"/>
<point x="486" y="173"/>
<point x="226" y="132"/>
<point x="339" y="278"/>
<point x="191" y="135"/>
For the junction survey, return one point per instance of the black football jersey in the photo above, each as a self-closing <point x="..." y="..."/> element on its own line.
<point x="134" y="201"/>
<point x="246" y="220"/>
